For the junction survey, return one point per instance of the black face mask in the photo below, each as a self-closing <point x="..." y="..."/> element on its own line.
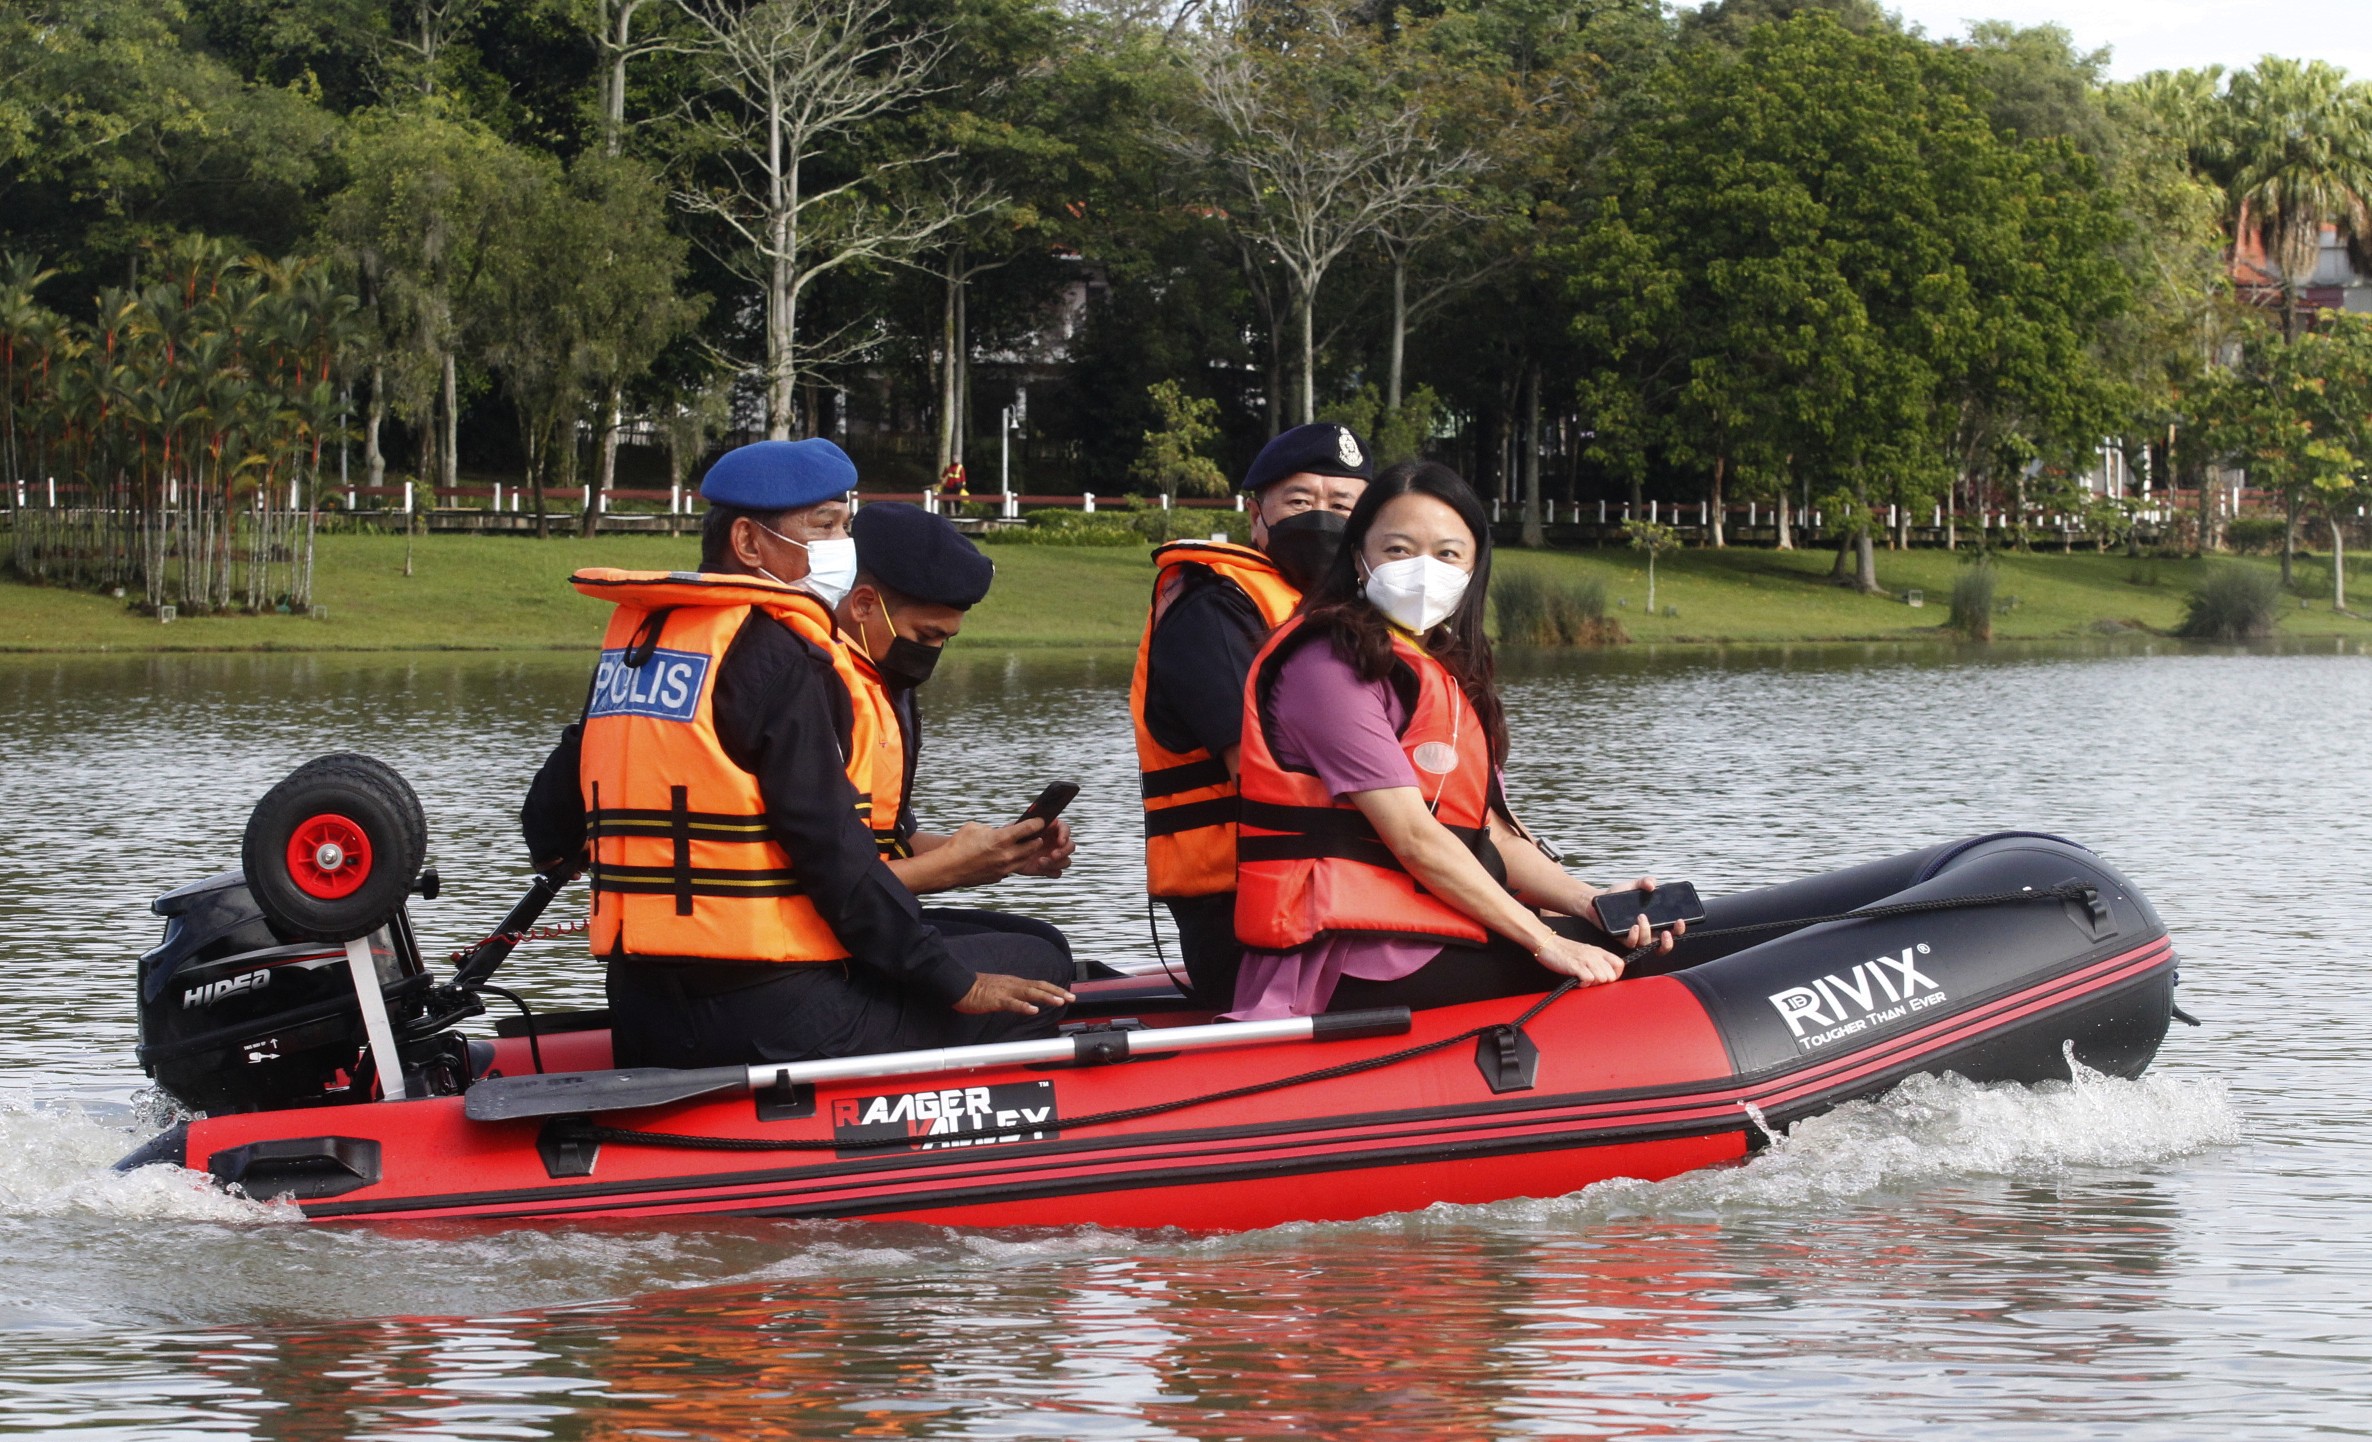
<point x="1304" y="546"/>
<point x="907" y="664"/>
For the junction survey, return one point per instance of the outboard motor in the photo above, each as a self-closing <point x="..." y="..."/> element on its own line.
<point x="237" y="1016"/>
<point x="251" y="1001"/>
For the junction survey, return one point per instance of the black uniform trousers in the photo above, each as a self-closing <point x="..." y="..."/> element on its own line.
<point x="1207" y="944"/>
<point x="675" y="1015"/>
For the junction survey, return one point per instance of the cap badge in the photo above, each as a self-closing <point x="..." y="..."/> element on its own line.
<point x="1346" y="446"/>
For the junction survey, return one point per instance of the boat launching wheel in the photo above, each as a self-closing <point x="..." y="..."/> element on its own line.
<point x="331" y="852"/>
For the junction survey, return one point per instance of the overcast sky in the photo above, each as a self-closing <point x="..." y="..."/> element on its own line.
<point x="2145" y="35"/>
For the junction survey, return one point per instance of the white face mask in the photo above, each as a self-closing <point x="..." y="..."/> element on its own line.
<point x="1416" y="593"/>
<point x="831" y="565"/>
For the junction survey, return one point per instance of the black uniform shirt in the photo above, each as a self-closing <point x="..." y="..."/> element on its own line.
<point x="910" y="732"/>
<point x="1202" y="652"/>
<point x="782" y="715"/>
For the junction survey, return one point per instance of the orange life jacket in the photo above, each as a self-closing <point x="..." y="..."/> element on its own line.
<point x="685" y="866"/>
<point x="1307" y="864"/>
<point x="1190" y="799"/>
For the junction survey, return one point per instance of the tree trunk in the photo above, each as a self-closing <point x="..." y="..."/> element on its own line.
<point x="1305" y="308"/>
<point x="2022" y="542"/>
<point x="1786" y="521"/>
<point x="1865" y="577"/>
<point x="1841" y="571"/>
<point x="1952" y="512"/>
<point x="1535" y="534"/>
<point x="948" y="404"/>
<point x="374" y="460"/>
<point x="1716" y="533"/>
<point x="2289" y="535"/>
<point x="2338" y="566"/>
<point x="621" y="39"/>
<point x="449" y="463"/>
<point x="963" y="369"/>
<point x="539" y="457"/>
<point x="605" y="471"/>
<point x="781" y="312"/>
<point x="1392" y="371"/>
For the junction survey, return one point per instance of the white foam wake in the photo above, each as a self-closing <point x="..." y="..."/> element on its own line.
<point x="60" y="1159"/>
<point x="1932" y="1129"/>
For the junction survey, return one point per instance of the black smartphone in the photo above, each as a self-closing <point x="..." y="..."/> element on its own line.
<point x="1674" y="901"/>
<point x="1050" y="802"/>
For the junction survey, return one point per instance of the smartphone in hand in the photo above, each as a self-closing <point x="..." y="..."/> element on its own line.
<point x="1050" y="802"/>
<point x="1668" y="904"/>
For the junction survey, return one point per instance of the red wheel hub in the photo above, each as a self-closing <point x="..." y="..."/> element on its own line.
<point x="329" y="857"/>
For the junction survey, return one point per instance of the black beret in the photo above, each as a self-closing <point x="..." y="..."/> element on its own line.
<point x="919" y="555"/>
<point x="1319" y="449"/>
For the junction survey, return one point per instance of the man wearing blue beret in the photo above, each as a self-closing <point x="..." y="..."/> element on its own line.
<point x="917" y="576"/>
<point x="1214" y="603"/>
<point x="722" y="786"/>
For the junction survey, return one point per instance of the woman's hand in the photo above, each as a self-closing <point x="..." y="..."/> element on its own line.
<point x="1587" y="964"/>
<point x="1641" y="932"/>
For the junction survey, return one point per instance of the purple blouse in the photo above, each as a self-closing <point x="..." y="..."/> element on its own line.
<point x="1348" y="731"/>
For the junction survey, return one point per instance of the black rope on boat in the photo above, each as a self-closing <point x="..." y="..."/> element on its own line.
<point x="2065" y="891"/>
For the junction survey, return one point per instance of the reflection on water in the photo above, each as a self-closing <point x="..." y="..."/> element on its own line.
<point x="2160" y="1256"/>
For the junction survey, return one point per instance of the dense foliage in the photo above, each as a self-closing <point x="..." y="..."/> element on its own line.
<point x="1772" y="250"/>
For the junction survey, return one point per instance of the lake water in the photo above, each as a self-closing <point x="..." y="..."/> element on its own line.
<point x="2180" y="1256"/>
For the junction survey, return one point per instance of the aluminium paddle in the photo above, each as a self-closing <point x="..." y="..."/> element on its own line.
<point x="519" y="1098"/>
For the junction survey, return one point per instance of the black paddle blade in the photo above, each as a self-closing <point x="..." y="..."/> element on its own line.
<point x="515" y="1098"/>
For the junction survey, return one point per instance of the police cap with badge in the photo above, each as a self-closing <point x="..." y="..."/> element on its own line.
<point x="920" y="556"/>
<point x="1321" y="448"/>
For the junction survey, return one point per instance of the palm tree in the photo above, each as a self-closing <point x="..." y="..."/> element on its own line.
<point x="2298" y="137"/>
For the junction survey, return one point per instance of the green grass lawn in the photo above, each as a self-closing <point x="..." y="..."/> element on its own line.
<point x="1752" y="595"/>
<point x="512" y="593"/>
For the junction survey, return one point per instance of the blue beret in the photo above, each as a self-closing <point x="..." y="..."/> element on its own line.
<point x="780" y="475"/>
<point x="1319" y="449"/>
<point x="920" y="555"/>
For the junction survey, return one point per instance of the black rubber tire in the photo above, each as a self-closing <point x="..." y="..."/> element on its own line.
<point x="365" y="791"/>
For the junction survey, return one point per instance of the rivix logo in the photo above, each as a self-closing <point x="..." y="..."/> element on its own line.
<point x="666" y="687"/>
<point x="215" y="991"/>
<point x="1878" y="991"/>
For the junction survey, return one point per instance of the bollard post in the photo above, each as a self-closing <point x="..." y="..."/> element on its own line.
<point x="1087" y="503"/>
<point x="1239" y="503"/>
<point x="1750" y="515"/>
<point x="1601" y="510"/>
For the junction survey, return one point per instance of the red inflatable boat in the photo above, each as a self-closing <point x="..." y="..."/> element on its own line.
<point x="2002" y="958"/>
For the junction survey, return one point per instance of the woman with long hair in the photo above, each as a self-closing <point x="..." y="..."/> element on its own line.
<point x="1377" y="862"/>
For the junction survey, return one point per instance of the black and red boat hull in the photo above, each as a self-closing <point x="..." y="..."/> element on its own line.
<point x="1647" y="1078"/>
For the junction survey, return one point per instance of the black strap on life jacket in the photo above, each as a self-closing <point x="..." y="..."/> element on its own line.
<point x="1305" y="833"/>
<point x="1186" y="776"/>
<point x="679" y="830"/>
<point x="646" y="638"/>
<point x="1193" y="816"/>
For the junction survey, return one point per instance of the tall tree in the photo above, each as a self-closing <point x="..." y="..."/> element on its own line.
<point x="794" y="86"/>
<point x="1314" y="153"/>
<point x="2299" y="137"/>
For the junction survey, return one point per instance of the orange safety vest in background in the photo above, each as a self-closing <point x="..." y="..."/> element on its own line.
<point x="1307" y="864"/>
<point x="685" y="866"/>
<point x="1190" y="799"/>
